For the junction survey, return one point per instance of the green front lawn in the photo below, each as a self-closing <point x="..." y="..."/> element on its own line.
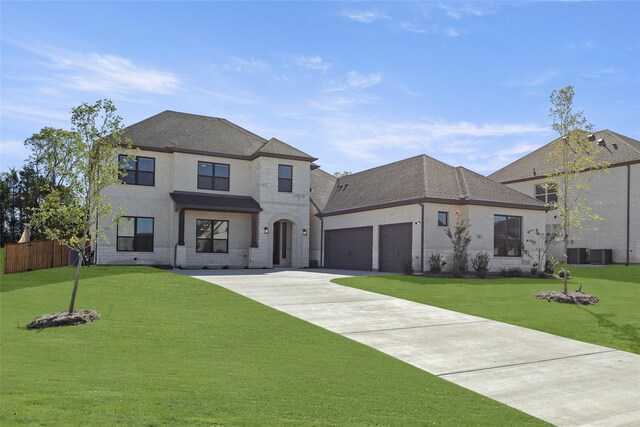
<point x="613" y="322"/>
<point x="171" y="350"/>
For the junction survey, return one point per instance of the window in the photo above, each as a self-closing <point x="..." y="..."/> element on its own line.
<point x="213" y="176"/>
<point x="507" y="235"/>
<point x="135" y="234"/>
<point x="212" y="236"/>
<point x="138" y="171"/>
<point x="443" y="219"/>
<point x="556" y="230"/>
<point x="546" y="193"/>
<point x="285" y="178"/>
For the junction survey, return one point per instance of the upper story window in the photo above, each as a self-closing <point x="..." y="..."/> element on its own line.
<point x="443" y="219"/>
<point x="285" y="178"/>
<point x="507" y="235"/>
<point x="546" y="193"/>
<point x="212" y="236"/>
<point x="138" y="170"/>
<point x="213" y="176"/>
<point x="135" y="234"/>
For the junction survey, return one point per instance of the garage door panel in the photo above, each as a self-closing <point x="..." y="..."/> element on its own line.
<point x="349" y="248"/>
<point x="395" y="242"/>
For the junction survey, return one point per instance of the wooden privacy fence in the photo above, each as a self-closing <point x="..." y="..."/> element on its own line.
<point x="35" y="255"/>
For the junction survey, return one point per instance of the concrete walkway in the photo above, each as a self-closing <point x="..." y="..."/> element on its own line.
<point x="562" y="381"/>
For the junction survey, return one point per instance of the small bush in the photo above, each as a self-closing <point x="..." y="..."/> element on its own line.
<point x="534" y="271"/>
<point x="436" y="263"/>
<point x="550" y="265"/>
<point x="515" y="272"/>
<point x="504" y="272"/>
<point x="480" y="263"/>
<point x="407" y="266"/>
<point x="564" y="271"/>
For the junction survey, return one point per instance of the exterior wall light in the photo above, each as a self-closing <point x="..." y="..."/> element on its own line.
<point x="417" y="222"/>
<point x="304" y="232"/>
<point x="266" y="230"/>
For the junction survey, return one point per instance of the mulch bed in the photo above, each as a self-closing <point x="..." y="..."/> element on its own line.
<point x="78" y="317"/>
<point x="575" y="297"/>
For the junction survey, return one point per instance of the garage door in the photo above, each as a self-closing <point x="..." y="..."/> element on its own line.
<point x="395" y="246"/>
<point x="348" y="248"/>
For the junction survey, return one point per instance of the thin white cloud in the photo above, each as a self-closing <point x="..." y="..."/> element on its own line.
<point x="583" y="45"/>
<point x="450" y="32"/>
<point x="531" y="80"/>
<point x="363" y="16"/>
<point x="35" y="114"/>
<point x="313" y="63"/>
<point x="368" y="139"/>
<point x="361" y="81"/>
<point x="112" y="74"/>
<point x="412" y="28"/>
<point x="460" y="10"/>
<point x="242" y="65"/>
<point x="603" y="72"/>
<point x="13" y="154"/>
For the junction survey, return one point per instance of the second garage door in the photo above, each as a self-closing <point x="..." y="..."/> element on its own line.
<point x="395" y="246"/>
<point x="349" y="248"/>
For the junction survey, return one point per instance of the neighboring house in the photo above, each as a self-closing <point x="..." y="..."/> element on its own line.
<point x="613" y="194"/>
<point x="204" y="192"/>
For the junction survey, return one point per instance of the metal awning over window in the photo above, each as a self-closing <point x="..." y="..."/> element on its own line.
<point x="214" y="202"/>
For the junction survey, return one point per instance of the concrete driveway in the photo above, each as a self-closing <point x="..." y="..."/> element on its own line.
<point x="559" y="380"/>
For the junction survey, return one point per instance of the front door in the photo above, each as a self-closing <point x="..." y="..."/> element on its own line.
<point x="281" y="244"/>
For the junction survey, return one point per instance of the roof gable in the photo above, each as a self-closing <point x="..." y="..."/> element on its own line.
<point x="618" y="149"/>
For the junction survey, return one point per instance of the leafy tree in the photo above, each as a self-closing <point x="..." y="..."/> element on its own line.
<point x="20" y="193"/>
<point x="460" y="240"/>
<point x="575" y="160"/>
<point x="341" y="174"/>
<point x="91" y="165"/>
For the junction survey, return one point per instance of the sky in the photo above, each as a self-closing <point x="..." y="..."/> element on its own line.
<point x="354" y="84"/>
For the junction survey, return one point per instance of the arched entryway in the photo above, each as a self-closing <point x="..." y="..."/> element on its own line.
<point x="282" y="243"/>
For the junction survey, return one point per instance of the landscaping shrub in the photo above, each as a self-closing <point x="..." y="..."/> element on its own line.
<point x="480" y="263"/>
<point x="550" y="265"/>
<point x="515" y="272"/>
<point x="460" y="240"/>
<point x="436" y="263"/>
<point x="407" y="266"/>
<point x="534" y="271"/>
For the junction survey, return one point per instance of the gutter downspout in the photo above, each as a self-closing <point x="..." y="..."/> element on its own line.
<point x="321" y="242"/>
<point x="628" y="210"/>
<point x="422" y="238"/>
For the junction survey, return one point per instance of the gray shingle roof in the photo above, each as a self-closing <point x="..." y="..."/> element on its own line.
<point x="421" y="178"/>
<point x="322" y="185"/>
<point x="174" y="131"/>
<point x="522" y="169"/>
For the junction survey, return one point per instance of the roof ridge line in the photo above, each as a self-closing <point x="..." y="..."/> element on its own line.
<point x="462" y="183"/>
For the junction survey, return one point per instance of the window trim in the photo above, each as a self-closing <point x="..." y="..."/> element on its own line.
<point x="446" y="217"/>
<point x="135" y="234"/>
<point x="506" y="239"/>
<point x="211" y="238"/>
<point x="547" y="192"/>
<point x="213" y="177"/>
<point x="285" y="179"/>
<point x="136" y="170"/>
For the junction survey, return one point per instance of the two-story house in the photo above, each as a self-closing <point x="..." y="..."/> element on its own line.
<point x="613" y="194"/>
<point x="203" y="192"/>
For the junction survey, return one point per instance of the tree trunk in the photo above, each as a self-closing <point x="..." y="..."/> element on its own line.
<point x="75" y="283"/>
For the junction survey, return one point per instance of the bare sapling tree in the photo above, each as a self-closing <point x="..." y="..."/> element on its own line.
<point x="80" y="164"/>
<point x="575" y="159"/>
